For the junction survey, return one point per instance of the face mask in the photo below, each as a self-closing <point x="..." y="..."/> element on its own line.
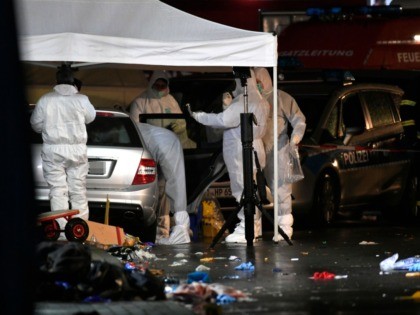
<point x="227" y="100"/>
<point x="266" y="94"/>
<point x="163" y="93"/>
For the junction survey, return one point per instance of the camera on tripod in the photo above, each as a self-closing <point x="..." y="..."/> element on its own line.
<point x="242" y="73"/>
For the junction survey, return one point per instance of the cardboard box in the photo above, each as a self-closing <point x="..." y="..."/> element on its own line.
<point x="105" y="234"/>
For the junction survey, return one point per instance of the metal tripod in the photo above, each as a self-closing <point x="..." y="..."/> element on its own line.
<point x="249" y="198"/>
<point x="256" y="201"/>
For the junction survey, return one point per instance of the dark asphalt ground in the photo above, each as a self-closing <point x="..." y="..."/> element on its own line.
<point x="281" y="282"/>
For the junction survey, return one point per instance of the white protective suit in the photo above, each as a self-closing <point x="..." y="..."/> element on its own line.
<point x="152" y="101"/>
<point x="288" y="112"/>
<point x="61" y="116"/>
<point x="229" y="119"/>
<point x="166" y="149"/>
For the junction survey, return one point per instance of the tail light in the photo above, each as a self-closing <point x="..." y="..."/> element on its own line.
<point x="146" y="172"/>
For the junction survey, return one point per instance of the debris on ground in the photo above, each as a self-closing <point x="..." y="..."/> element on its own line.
<point x="325" y="275"/>
<point x="198" y="276"/>
<point x="202" y="268"/>
<point x="66" y="272"/>
<point x="245" y="266"/>
<point x="368" y="243"/>
<point x="393" y="264"/>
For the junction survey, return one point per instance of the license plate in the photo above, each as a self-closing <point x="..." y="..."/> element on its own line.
<point x="220" y="192"/>
<point x="96" y="167"/>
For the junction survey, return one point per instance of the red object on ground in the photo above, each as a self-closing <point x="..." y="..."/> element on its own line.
<point x="323" y="275"/>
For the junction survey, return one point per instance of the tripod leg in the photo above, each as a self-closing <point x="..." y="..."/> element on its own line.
<point x="268" y="216"/>
<point x="226" y="225"/>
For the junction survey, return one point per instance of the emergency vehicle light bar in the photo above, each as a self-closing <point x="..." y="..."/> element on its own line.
<point x="343" y="77"/>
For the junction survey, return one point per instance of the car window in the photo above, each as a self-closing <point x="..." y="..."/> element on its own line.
<point x="380" y="105"/>
<point x="105" y="131"/>
<point x="332" y="125"/>
<point x="352" y="112"/>
<point x="113" y="131"/>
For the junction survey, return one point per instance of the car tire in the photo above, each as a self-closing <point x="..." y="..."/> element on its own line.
<point x="326" y="200"/>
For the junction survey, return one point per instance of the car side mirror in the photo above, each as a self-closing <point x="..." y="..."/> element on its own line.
<point x="350" y="132"/>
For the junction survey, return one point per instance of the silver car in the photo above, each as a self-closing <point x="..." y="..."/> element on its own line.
<point x="122" y="175"/>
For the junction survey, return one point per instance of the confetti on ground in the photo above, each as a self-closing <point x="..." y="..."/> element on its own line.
<point x="234" y="258"/>
<point x="202" y="268"/>
<point x="367" y="243"/>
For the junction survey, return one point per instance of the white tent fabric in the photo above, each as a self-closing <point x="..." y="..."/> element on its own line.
<point x="138" y="32"/>
<point x="146" y="32"/>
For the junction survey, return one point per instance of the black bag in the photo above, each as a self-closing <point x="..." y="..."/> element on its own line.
<point x="68" y="261"/>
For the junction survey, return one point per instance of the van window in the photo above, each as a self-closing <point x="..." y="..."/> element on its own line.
<point x="380" y="106"/>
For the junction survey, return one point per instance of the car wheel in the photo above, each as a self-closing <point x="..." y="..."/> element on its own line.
<point x="326" y="199"/>
<point x="76" y="230"/>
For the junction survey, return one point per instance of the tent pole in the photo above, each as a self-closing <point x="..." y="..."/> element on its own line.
<point x="276" y="175"/>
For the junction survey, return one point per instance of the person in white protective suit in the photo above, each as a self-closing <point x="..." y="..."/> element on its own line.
<point x="156" y="99"/>
<point x="229" y="119"/>
<point x="166" y="149"/>
<point x="287" y="111"/>
<point x="61" y="116"/>
<point x="216" y="134"/>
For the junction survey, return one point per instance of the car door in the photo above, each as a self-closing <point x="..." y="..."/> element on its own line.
<point x="354" y="158"/>
<point x="371" y="166"/>
<point x="391" y="166"/>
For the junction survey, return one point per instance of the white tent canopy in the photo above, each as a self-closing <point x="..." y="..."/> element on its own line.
<point x="146" y="32"/>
